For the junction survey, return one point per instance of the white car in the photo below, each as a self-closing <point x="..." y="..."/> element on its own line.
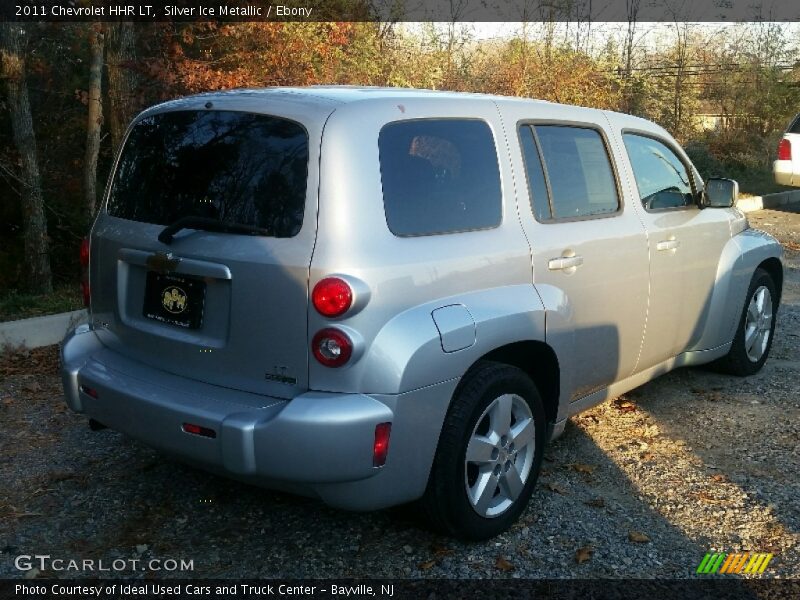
<point x="787" y="167"/>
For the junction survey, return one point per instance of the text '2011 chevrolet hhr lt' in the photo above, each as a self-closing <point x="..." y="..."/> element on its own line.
<point x="377" y="296"/>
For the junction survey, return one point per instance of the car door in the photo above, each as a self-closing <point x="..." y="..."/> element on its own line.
<point x="685" y="243"/>
<point x="589" y="251"/>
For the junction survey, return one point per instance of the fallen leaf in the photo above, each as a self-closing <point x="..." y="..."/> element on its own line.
<point x="554" y="487"/>
<point x="583" y="554"/>
<point x="792" y="246"/>
<point x="719" y="477"/>
<point x="650" y="431"/>
<point x="708" y="498"/>
<point x="441" y="550"/>
<point x="582" y="468"/>
<point x="638" y="537"/>
<point x="596" y="502"/>
<point x="427" y="565"/>
<point x="624" y="406"/>
<point x="503" y="565"/>
<point x="32" y="386"/>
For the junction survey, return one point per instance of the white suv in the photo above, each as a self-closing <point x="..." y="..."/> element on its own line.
<point x="787" y="167"/>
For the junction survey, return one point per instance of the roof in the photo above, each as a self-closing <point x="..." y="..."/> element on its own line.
<point x="330" y="96"/>
<point x="347" y="94"/>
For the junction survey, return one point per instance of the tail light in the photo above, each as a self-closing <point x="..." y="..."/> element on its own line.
<point x="785" y="150"/>
<point x="199" y="430"/>
<point x="332" y="297"/>
<point x="381" y="448"/>
<point x="84" y="256"/>
<point x="332" y="347"/>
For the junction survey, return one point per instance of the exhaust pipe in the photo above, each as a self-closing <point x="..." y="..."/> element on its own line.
<point x="96" y="425"/>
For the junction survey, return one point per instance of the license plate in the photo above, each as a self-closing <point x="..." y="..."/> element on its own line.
<point x="174" y="299"/>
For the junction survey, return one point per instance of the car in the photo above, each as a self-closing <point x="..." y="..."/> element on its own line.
<point x="378" y="296"/>
<point x="786" y="167"/>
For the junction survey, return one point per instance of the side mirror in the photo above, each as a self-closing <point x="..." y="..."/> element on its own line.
<point x="719" y="193"/>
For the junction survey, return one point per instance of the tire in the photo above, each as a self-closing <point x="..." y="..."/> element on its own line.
<point x="495" y="409"/>
<point x="750" y="349"/>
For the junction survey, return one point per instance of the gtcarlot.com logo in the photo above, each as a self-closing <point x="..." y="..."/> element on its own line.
<point x="744" y="562"/>
<point x="45" y="562"/>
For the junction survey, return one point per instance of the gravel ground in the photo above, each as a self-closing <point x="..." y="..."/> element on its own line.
<point x="640" y="486"/>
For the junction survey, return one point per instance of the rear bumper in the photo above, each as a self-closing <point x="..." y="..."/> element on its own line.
<point x="784" y="175"/>
<point x="320" y="444"/>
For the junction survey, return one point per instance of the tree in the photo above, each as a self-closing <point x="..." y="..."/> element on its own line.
<point x="94" y="118"/>
<point x="12" y="55"/>
<point x="123" y="79"/>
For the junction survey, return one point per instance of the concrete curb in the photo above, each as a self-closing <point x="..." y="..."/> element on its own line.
<point x="769" y="201"/>
<point x="39" y="331"/>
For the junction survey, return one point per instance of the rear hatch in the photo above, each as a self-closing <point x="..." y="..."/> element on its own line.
<point x="226" y="300"/>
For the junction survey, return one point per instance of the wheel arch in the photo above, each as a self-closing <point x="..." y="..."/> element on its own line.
<point x="774" y="267"/>
<point x="741" y="256"/>
<point x="537" y="360"/>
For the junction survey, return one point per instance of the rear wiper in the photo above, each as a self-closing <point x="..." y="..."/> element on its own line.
<point x="168" y="233"/>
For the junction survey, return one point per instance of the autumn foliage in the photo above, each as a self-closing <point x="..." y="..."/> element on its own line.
<point x="148" y="63"/>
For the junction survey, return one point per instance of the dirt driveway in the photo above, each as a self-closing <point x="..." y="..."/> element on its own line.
<point x="640" y="486"/>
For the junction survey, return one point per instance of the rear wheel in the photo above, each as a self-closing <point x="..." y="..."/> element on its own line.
<point x="489" y="453"/>
<point x="753" y="339"/>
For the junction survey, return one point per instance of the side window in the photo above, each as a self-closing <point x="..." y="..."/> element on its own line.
<point x="537" y="186"/>
<point x="579" y="171"/>
<point x="661" y="177"/>
<point x="439" y="176"/>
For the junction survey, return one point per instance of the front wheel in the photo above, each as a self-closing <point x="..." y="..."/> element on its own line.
<point x="489" y="453"/>
<point x="753" y="339"/>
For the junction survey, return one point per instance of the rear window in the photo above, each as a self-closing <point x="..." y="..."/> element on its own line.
<point x="795" y="126"/>
<point x="237" y="167"/>
<point x="439" y="176"/>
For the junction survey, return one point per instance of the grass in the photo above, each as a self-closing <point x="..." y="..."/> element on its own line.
<point x="20" y="305"/>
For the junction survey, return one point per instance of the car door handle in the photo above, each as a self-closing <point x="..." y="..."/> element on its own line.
<point x="668" y="245"/>
<point x="564" y="262"/>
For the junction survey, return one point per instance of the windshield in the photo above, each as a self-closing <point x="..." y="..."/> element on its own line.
<point x="236" y="167"/>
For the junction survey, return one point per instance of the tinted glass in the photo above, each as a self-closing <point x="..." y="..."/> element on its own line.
<point x="795" y="126"/>
<point x="661" y="177"/>
<point x="581" y="179"/>
<point x="233" y="166"/>
<point x="439" y="176"/>
<point x="536" y="181"/>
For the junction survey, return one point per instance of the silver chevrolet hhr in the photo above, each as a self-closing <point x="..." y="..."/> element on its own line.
<point x="375" y="296"/>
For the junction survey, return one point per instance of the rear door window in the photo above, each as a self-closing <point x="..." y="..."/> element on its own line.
<point x="237" y="167"/>
<point x="439" y="176"/>
<point x="579" y="172"/>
